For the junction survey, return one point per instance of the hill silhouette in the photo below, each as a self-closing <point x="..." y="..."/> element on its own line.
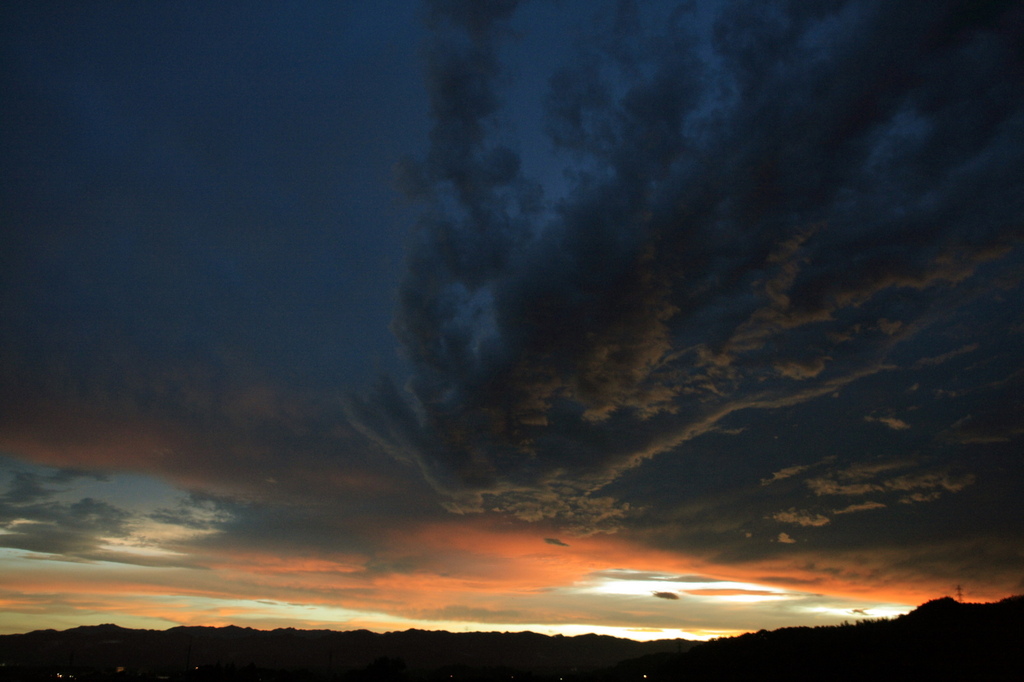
<point x="940" y="640"/>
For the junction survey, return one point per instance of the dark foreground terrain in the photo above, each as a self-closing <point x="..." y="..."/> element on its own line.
<point x="940" y="640"/>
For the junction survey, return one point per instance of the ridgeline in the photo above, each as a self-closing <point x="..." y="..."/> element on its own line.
<point x="940" y="640"/>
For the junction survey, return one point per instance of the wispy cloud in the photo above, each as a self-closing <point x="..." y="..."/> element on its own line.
<point x="860" y="506"/>
<point x="801" y="518"/>
<point x="893" y="423"/>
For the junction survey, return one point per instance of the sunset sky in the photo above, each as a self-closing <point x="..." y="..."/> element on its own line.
<point x="648" y="318"/>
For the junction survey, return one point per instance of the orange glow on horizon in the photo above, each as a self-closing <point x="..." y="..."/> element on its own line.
<point x="480" y="572"/>
<point x="500" y="575"/>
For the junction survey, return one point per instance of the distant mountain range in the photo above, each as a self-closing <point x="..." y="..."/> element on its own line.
<point x="940" y="640"/>
<point x="108" y="646"/>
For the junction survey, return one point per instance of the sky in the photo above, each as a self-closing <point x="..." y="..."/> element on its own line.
<point x="654" y="319"/>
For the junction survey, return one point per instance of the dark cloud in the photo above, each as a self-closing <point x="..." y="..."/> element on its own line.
<point x="764" y="215"/>
<point x="29" y="487"/>
<point x="478" y="18"/>
<point x="555" y="541"/>
<point x="34" y="519"/>
<point x="196" y="512"/>
<point x="666" y="595"/>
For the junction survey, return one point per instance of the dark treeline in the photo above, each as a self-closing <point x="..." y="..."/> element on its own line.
<point x="940" y="640"/>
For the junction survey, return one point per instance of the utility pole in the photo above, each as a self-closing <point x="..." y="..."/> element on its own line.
<point x="959" y="594"/>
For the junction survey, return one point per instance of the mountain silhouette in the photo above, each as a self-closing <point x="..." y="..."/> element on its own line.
<point x="109" y="646"/>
